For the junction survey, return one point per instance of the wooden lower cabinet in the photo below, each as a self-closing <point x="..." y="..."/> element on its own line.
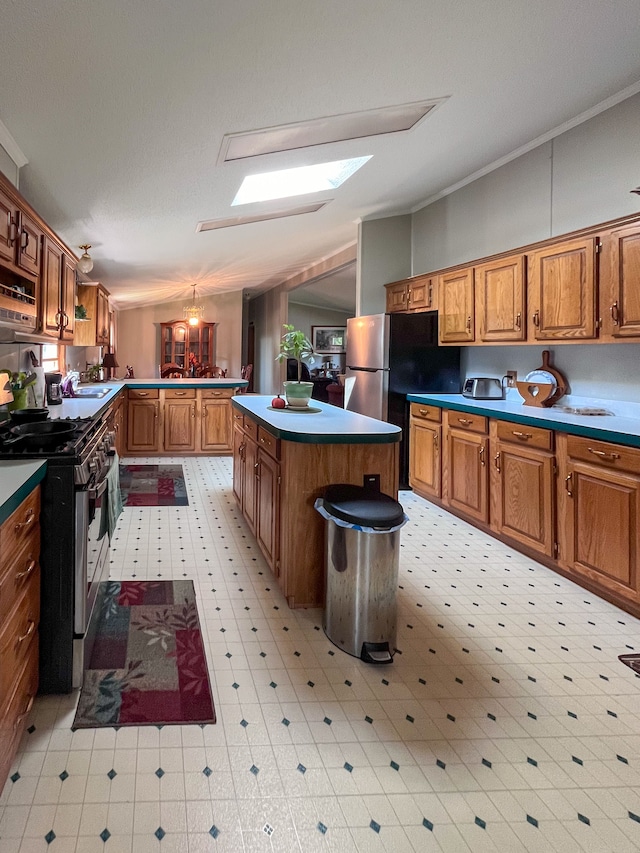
<point x="599" y="496"/>
<point x="522" y="489"/>
<point x="174" y="420"/>
<point x="425" y="434"/>
<point x="268" y="508"/>
<point x="19" y="620"/>
<point x="465" y="474"/>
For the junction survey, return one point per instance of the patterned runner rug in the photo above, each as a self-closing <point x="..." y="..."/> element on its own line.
<point x="153" y="485"/>
<point x="148" y="665"/>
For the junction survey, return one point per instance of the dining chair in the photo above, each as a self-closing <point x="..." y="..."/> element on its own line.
<point x="172" y="370"/>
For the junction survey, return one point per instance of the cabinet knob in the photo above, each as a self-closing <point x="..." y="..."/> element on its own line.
<point x="465" y="421"/>
<point x="614" y="314"/>
<point x="468" y="324"/>
<point x="536" y="319"/>
<point x="28" y="521"/>
<point x="31" y="564"/>
<point x="518" y="322"/>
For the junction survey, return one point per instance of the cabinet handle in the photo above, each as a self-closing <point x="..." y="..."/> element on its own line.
<point x="193" y="411"/>
<point x="204" y="411"/>
<point x="568" y="483"/>
<point x="29" y="632"/>
<point x="468" y="324"/>
<point x="518" y="321"/>
<point x="614" y="314"/>
<point x="496" y="459"/>
<point x="66" y="320"/>
<point x="25" y="713"/>
<point x="424" y="412"/>
<point x="143" y="394"/>
<point x="465" y="421"/>
<point x="24" y="239"/>
<point x="525" y="436"/>
<point x="29" y="570"/>
<point x="28" y="521"/>
<point x="58" y="319"/>
<point x="602" y="454"/>
<point x="179" y="393"/>
<point x="430" y="295"/>
<point x="536" y="319"/>
<point x="13" y="231"/>
<point x="481" y="453"/>
<point x="436" y="441"/>
<point x="217" y="394"/>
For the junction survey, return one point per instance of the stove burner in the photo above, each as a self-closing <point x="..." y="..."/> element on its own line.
<point x="70" y="450"/>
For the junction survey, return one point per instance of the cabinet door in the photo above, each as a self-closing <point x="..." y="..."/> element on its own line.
<point x="179" y="425"/>
<point x="268" y="506"/>
<point x="620" y="282"/>
<point x="523" y="495"/>
<point x="424" y="458"/>
<point x="50" y="287"/>
<point x="562" y="289"/>
<point x="249" y="490"/>
<point x="238" y="464"/>
<point x="500" y="307"/>
<point x="8" y="228"/>
<point x="420" y="294"/>
<point x="396" y="297"/>
<point x="603" y="527"/>
<point x="142" y="425"/>
<point x="102" y="317"/>
<point x="215" y="429"/>
<point x="68" y="297"/>
<point x="465" y="474"/>
<point x="29" y="245"/>
<point x="455" y="300"/>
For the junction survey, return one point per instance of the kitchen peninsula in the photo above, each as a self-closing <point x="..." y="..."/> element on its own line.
<point x="282" y="461"/>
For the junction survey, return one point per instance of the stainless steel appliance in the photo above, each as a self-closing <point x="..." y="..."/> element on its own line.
<point x="483" y="388"/>
<point x="390" y="356"/>
<point x="74" y="554"/>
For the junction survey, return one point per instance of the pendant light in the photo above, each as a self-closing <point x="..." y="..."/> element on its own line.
<point x="85" y="264"/>
<point x="193" y="313"/>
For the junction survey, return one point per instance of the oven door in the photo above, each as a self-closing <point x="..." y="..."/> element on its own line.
<point x="92" y="549"/>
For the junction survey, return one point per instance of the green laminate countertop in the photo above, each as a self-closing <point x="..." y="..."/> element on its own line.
<point x="326" y="425"/>
<point x="17" y="481"/>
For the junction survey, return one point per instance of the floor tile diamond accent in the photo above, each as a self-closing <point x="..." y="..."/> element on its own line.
<point x="267" y="829"/>
<point x="348" y="767"/>
<point x="532" y="820"/>
<point x="112" y="774"/>
<point x="427" y="824"/>
<point x="105" y="835"/>
<point x="322" y="828"/>
<point x="301" y="768"/>
<point x="214" y="832"/>
<point x="253" y="769"/>
<point x="64" y="775"/>
<point x="375" y="826"/>
<point x="50" y="836"/>
<point x="159" y="833"/>
<point x="159" y="772"/>
<point x="15" y="777"/>
<point x="207" y="771"/>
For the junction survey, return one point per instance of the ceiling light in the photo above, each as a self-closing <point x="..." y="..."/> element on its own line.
<point x="299" y="181"/>
<point x="193" y="313"/>
<point x="85" y="264"/>
<point x="320" y="131"/>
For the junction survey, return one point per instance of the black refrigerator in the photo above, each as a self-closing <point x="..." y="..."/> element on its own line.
<point x="390" y="356"/>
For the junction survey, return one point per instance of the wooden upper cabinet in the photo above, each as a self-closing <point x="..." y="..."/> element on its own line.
<point x="68" y="297"/>
<point x="50" y="289"/>
<point x="29" y="245"/>
<point x="20" y="237"/>
<point x="179" y="339"/>
<point x="8" y="228"/>
<point x="562" y="291"/>
<point x="456" y="306"/>
<point x="94" y="331"/>
<point x="500" y="299"/>
<point x="620" y="282"/>
<point x="412" y="294"/>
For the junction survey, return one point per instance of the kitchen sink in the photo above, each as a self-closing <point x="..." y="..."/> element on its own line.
<point x="92" y="393"/>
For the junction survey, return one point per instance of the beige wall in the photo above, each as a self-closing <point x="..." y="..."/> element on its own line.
<point x="138" y="336"/>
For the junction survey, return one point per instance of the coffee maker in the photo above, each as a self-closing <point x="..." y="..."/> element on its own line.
<point x="54" y="389"/>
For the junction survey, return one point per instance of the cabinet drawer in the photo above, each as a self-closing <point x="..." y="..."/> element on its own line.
<point x="427" y="413"/>
<point x="525" y="435"/>
<point x="269" y="443"/>
<point x="15" y="711"/>
<point x="19" y="636"/>
<point x="179" y="393"/>
<point x="21" y="526"/>
<point x="216" y="393"/>
<point x="143" y="393"/>
<point x="603" y="453"/>
<point x="250" y="427"/>
<point x="468" y="421"/>
<point x="17" y="574"/>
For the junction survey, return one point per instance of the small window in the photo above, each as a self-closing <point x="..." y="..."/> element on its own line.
<point x="51" y="357"/>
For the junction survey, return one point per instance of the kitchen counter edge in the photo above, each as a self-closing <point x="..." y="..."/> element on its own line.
<point x="19" y="479"/>
<point x="618" y="429"/>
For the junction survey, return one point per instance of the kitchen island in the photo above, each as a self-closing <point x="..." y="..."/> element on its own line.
<point x="283" y="460"/>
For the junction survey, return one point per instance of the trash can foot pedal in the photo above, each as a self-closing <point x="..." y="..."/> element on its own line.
<point x="376" y="653"/>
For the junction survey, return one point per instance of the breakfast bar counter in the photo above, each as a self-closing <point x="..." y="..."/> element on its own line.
<point x="283" y="460"/>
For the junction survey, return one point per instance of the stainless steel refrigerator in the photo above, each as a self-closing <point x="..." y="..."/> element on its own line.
<point x="390" y="356"/>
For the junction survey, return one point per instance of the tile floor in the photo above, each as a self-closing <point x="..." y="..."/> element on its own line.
<point x="506" y="722"/>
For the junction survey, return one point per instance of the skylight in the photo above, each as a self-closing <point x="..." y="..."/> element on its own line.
<point x="298" y="181"/>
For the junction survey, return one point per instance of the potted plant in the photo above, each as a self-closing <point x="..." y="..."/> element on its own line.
<point x="295" y="344"/>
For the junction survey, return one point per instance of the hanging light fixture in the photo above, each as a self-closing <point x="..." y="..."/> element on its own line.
<point x="193" y="313"/>
<point x="85" y="264"/>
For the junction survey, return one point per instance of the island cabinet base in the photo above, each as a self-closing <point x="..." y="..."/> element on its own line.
<point x="276" y="483"/>
<point x="306" y="470"/>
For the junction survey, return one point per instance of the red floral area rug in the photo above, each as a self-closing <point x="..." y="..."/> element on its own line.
<point x="153" y="485"/>
<point x="148" y="665"/>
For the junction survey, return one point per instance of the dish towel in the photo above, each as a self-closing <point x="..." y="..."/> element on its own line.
<point x="114" y="499"/>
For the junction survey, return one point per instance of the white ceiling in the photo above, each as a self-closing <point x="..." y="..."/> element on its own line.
<point x="121" y="108"/>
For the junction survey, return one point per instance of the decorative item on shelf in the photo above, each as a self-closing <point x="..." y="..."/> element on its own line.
<point x="109" y="362"/>
<point x="296" y="345"/>
<point x="95" y="373"/>
<point x="85" y="264"/>
<point x="129" y="373"/>
<point x="81" y="313"/>
<point x="193" y="313"/>
<point x="544" y="386"/>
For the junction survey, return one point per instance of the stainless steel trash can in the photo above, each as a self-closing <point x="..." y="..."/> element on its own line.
<point x="362" y="554"/>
